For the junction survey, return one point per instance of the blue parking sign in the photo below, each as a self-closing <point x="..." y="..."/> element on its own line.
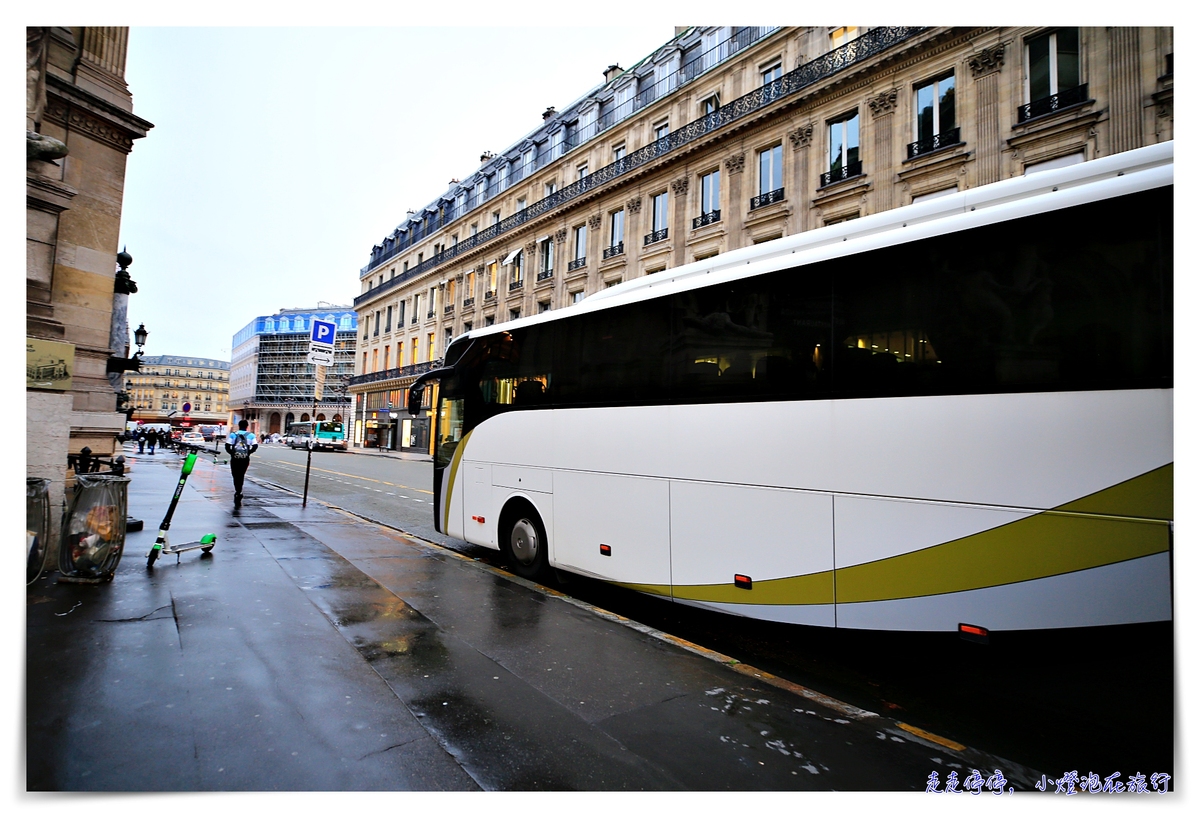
<point x="323" y="333"/>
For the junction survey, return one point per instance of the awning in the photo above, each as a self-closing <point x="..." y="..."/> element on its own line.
<point x="508" y="259"/>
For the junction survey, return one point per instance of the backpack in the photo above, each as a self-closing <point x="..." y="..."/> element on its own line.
<point x="241" y="447"/>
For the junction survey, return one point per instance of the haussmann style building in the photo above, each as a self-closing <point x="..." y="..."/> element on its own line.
<point x="730" y="136"/>
<point x="179" y="391"/>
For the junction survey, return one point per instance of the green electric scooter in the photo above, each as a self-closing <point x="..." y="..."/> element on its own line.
<point x="162" y="545"/>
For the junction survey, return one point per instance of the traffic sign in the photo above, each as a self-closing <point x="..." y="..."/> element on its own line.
<point x="187" y="407"/>
<point x="322" y="337"/>
<point x="320" y="358"/>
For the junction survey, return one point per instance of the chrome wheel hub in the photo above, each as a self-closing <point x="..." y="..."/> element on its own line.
<point x="524" y="542"/>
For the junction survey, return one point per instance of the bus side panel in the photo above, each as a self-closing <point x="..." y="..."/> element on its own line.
<point x="1126" y="592"/>
<point x="718" y="531"/>
<point x="629" y="514"/>
<point x="475" y="489"/>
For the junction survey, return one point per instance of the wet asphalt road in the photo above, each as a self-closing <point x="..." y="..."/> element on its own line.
<point x="1100" y="698"/>
<point x="311" y="651"/>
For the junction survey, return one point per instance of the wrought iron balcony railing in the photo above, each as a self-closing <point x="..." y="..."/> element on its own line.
<point x="765" y="199"/>
<point x="656" y="236"/>
<point x="413" y="321"/>
<point x="449" y="308"/>
<point x="411" y="370"/>
<point x="933" y="143"/>
<point x="429" y="315"/>
<point x="516" y="285"/>
<point x="545" y="274"/>
<point x="869" y="45"/>
<point x="846" y="171"/>
<point x="711" y="217"/>
<point x="575" y="264"/>
<point x="468" y="302"/>
<point x="616" y="250"/>
<point x="489" y="295"/>
<point x="1048" y="105"/>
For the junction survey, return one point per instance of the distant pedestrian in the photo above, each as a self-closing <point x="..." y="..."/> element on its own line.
<point x="152" y="439"/>
<point x="141" y="439"/>
<point x="240" y="445"/>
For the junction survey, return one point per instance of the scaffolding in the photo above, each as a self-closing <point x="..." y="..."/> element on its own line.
<point x="284" y="374"/>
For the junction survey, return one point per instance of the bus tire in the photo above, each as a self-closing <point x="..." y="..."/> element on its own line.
<point x="524" y="542"/>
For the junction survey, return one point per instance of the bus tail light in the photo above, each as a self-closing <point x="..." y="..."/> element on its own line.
<point x="477" y="519"/>
<point x="606" y="550"/>
<point x="743" y="581"/>
<point x="973" y="633"/>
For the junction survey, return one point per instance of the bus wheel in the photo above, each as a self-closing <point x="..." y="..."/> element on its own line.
<point x="525" y="543"/>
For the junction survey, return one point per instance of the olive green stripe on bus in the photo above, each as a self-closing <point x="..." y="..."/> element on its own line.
<point x="1120" y="523"/>
<point x="454" y="462"/>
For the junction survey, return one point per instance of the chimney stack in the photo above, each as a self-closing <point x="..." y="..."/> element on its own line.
<point x="612" y="72"/>
<point x="549" y="112"/>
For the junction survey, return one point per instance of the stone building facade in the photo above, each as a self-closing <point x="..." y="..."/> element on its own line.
<point x="726" y="137"/>
<point x="80" y="129"/>
<point x="166" y="383"/>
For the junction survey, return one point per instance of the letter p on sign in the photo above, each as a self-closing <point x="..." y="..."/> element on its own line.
<point x="323" y="333"/>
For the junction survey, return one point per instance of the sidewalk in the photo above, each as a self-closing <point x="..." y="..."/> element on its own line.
<point x="388" y="453"/>
<point x="315" y="651"/>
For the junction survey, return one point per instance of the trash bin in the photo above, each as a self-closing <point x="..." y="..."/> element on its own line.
<point x="93" y="535"/>
<point x="37" y="525"/>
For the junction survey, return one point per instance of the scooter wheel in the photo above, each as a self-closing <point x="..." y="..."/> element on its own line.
<point x="151" y="557"/>
<point x="206" y="550"/>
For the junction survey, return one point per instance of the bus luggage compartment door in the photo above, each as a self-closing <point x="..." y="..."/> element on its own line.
<point x="614" y="527"/>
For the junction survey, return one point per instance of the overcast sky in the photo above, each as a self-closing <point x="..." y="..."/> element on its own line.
<point x="279" y="156"/>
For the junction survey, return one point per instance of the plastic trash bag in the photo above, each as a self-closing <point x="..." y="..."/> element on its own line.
<point x="94" y="531"/>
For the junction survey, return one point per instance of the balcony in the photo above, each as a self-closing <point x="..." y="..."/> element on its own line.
<point x="711" y="217"/>
<point x="429" y="315"/>
<point x="767" y="198"/>
<point x="575" y="264"/>
<point x="933" y="143"/>
<point x="489" y="295"/>
<point x="516" y="285"/>
<point x="545" y="274"/>
<point x="413" y="322"/>
<point x="1048" y="105"/>
<point x="449" y="310"/>
<point x="468" y="302"/>
<point x="616" y="250"/>
<point x="656" y="236"/>
<point x="846" y="171"/>
<point x="391" y="374"/>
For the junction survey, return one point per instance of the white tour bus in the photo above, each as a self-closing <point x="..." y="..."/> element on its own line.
<point x="951" y="415"/>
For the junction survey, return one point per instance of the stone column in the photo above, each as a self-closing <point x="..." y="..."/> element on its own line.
<point x="801" y="139"/>
<point x="985" y="68"/>
<point x="596" y="245"/>
<point x="562" y="257"/>
<point x="736" y="203"/>
<point x="679" y="224"/>
<point x="1124" y="90"/>
<point x="633" y="236"/>
<point x="883" y="109"/>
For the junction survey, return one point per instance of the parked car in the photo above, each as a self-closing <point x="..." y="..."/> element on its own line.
<point x="192" y="439"/>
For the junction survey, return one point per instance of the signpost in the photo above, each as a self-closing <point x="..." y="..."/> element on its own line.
<point x="320" y="355"/>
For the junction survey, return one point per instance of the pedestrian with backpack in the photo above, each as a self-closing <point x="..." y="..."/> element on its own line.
<point x="152" y="439"/>
<point x="240" y="445"/>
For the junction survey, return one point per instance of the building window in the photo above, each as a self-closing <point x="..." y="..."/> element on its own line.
<point x="432" y="302"/>
<point x="658" y="218"/>
<point x="844" y="34"/>
<point x="489" y="320"/>
<point x="710" y="199"/>
<point x="770" y="169"/>
<point x="413" y="352"/>
<point x="712" y="104"/>
<point x="661" y="130"/>
<point x="375" y="360"/>
<point x="514" y="314"/>
<point x="388" y="326"/>
<point x="400" y="314"/>
<point x="474" y="230"/>
<point x="772" y="73"/>
<point x="582" y="171"/>
<point x="493" y="272"/>
<point x="933" y="124"/>
<point x="618" y="152"/>
<point x="376" y="323"/>
<point x="517" y="277"/>
<point x="547" y="260"/>
<point x="416" y="307"/>
<point x="387" y="354"/>
<point x="449" y="336"/>
<point x="520" y="205"/>
<point x="1052" y="64"/>
<point x="543" y="306"/>
<point x="496" y="217"/>
<point x="469" y="288"/>
<point x="844" y="159"/>
<point x="551" y="187"/>
<point x="616" y="224"/>
<point x="580" y="248"/>
<point x="467" y="326"/>
<point x="1052" y="74"/>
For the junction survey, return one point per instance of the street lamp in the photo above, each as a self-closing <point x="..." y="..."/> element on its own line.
<point x="139" y="337"/>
